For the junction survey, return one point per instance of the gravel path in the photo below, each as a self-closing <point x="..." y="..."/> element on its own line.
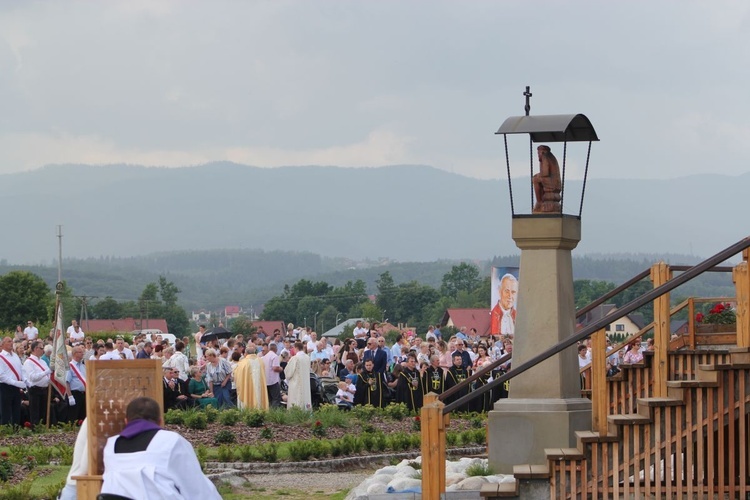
<point x="324" y="482"/>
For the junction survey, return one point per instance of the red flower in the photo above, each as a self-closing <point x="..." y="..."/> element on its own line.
<point x="29" y="458"/>
<point x="717" y="308"/>
<point x="318" y="423"/>
<point x="79" y="423"/>
<point x="417" y="418"/>
<point x="27" y="425"/>
<point x="699" y="317"/>
<point x="4" y="454"/>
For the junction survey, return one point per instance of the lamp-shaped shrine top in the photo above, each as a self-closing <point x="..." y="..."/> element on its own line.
<point x="548" y="184"/>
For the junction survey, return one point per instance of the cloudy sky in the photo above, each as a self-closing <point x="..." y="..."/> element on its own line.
<point x="373" y="83"/>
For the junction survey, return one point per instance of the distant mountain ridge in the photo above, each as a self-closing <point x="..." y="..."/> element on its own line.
<point x="404" y="212"/>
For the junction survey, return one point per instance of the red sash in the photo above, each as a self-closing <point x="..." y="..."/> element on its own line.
<point x="12" y="368"/>
<point x="36" y="363"/>
<point x="78" y="374"/>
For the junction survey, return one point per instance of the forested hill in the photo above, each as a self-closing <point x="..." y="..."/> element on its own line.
<point x="215" y="278"/>
<point x="401" y="212"/>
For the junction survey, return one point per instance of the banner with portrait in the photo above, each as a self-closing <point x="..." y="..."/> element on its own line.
<point x="504" y="298"/>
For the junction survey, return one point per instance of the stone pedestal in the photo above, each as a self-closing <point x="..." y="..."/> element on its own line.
<point x="545" y="407"/>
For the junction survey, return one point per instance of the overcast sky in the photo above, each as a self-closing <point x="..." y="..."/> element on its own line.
<point x="372" y="83"/>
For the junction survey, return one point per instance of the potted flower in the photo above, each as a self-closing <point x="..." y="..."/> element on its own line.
<point x="720" y="318"/>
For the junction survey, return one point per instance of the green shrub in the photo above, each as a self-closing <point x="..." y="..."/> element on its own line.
<point x="318" y="429"/>
<point x="266" y="433"/>
<point x="368" y="441"/>
<point x="480" y="436"/>
<point x="451" y="438"/>
<point x="299" y="451"/>
<point x="415" y="465"/>
<point x="19" y="491"/>
<point x="365" y="413"/>
<point x="396" y="411"/>
<point x="255" y="418"/>
<point x="54" y="490"/>
<point x="335" y="448"/>
<point x="467" y="437"/>
<point x="246" y="453"/>
<point x="42" y="453"/>
<point x="416" y="440"/>
<point x="319" y="448"/>
<point x="365" y="427"/>
<point x="211" y="414"/>
<point x="201" y="452"/>
<point x="225" y="453"/>
<point x="479" y="469"/>
<point x="297" y="416"/>
<point x="224" y="436"/>
<point x="331" y="416"/>
<point x="174" y="417"/>
<point x="196" y="420"/>
<point x="275" y="416"/>
<point x="229" y="417"/>
<point x="65" y="453"/>
<point x="381" y="442"/>
<point x="351" y="443"/>
<point x="477" y="422"/>
<point x="269" y="452"/>
<point x="400" y="441"/>
<point x="6" y="469"/>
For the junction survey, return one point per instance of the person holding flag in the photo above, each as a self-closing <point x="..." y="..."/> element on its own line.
<point x="59" y="358"/>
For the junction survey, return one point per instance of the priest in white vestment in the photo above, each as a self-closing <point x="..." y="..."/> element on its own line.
<point x="297" y="373"/>
<point x="250" y="380"/>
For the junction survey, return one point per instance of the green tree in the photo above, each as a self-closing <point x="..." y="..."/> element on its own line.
<point x="107" y="308"/>
<point x="279" y="309"/>
<point x="463" y="277"/>
<point x="586" y="291"/>
<point x="386" y="298"/>
<point x="23" y="296"/>
<point x="307" y="308"/>
<point x="242" y="325"/>
<point x="327" y="318"/>
<point x="343" y="298"/>
<point x="168" y="291"/>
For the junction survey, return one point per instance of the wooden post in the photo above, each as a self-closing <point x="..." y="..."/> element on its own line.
<point x="598" y="374"/>
<point x="742" y="287"/>
<point x="691" y="322"/>
<point x="660" y="274"/>
<point x="433" y="447"/>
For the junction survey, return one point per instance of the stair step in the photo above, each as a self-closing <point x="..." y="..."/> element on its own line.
<point x="660" y="402"/>
<point x="715" y="367"/>
<point x="526" y="471"/>
<point x="691" y="383"/>
<point x="563" y="454"/>
<point x="509" y="489"/>
<point x="594" y="437"/>
<point x="628" y="419"/>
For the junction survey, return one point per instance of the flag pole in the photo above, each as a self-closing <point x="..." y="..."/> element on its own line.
<point x="58" y="291"/>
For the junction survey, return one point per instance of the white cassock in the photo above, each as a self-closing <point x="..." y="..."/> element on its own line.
<point x="297" y="374"/>
<point x="167" y="469"/>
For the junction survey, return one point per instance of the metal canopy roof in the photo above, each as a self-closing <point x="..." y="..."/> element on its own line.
<point x="551" y="128"/>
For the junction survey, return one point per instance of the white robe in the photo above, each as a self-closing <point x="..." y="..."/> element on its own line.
<point x="297" y="374"/>
<point x="167" y="469"/>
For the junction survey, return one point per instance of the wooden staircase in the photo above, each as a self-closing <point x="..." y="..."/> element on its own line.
<point x="691" y="444"/>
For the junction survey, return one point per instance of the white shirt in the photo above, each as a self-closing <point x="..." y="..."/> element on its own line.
<point x="37" y="372"/>
<point x="128" y="353"/>
<point x="166" y="469"/>
<point x="359" y="333"/>
<point x="75" y="337"/>
<point x="114" y="354"/>
<point x="6" y="374"/>
<point x="31" y="332"/>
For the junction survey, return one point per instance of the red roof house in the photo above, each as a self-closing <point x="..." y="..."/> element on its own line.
<point x="124" y="325"/>
<point x="470" y="318"/>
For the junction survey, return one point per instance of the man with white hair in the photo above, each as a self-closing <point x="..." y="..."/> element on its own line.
<point x="503" y="315"/>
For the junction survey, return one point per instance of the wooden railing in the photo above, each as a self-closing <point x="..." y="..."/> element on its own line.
<point x="434" y="412"/>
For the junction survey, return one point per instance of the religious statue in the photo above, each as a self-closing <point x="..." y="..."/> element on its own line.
<point x="547" y="183"/>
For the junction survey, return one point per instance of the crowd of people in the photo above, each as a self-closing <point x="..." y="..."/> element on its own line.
<point x="268" y="369"/>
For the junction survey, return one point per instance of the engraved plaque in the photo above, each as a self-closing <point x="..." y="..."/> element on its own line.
<point x="111" y="386"/>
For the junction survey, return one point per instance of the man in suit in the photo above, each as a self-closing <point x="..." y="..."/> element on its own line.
<point x="378" y="356"/>
<point x="174" y="397"/>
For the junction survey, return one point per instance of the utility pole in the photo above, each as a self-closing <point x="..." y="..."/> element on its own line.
<point x="59" y="253"/>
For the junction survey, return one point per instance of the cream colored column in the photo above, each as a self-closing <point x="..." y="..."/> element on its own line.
<point x="545" y="407"/>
